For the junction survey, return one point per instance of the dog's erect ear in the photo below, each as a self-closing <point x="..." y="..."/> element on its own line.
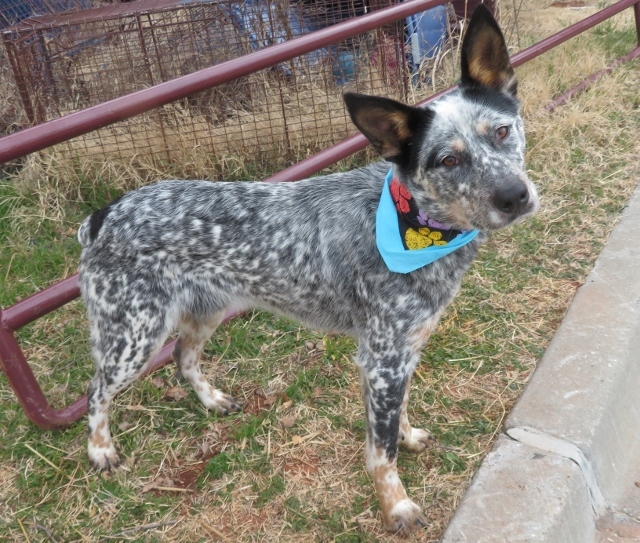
<point x="387" y="124"/>
<point x="485" y="59"/>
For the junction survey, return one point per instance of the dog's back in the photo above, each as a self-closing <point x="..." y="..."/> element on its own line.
<point x="304" y="249"/>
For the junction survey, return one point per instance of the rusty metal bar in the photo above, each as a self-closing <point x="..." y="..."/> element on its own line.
<point x="29" y="393"/>
<point x="19" y="75"/>
<point x="570" y="32"/>
<point x="39" y="304"/>
<point x="586" y="83"/>
<point x="64" y="128"/>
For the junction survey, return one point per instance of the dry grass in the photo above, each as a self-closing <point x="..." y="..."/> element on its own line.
<point x="247" y="128"/>
<point x="290" y="468"/>
<point x="178" y="142"/>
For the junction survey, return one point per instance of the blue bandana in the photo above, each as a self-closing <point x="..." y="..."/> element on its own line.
<point x="398" y="254"/>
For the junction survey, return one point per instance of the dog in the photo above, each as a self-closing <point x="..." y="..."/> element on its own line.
<point x="376" y="253"/>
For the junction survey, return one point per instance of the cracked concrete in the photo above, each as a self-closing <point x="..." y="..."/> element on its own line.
<point x="545" y="442"/>
<point x="567" y="468"/>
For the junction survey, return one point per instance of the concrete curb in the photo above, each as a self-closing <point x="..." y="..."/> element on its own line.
<point x="568" y="459"/>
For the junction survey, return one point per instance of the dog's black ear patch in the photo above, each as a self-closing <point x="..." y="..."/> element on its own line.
<point x="390" y="126"/>
<point x="485" y="59"/>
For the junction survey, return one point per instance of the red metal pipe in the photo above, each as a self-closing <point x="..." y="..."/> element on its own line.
<point x="64" y="128"/>
<point x="325" y="158"/>
<point x="39" y="304"/>
<point x="28" y="391"/>
<point x="571" y="31"/>
<point x="586" y="83"/>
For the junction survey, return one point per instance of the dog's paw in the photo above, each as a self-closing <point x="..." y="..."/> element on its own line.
<point x="405" y="517"/>
<point x="417" y="441"/>
<point x="103" y="458"/>
<point x="223" y="404"/>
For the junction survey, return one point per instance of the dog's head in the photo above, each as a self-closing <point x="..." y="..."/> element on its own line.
<point x="462" y="157"/>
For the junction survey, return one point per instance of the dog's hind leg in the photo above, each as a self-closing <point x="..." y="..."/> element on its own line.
<point x="121" y="350"/>
<point x="411" y="439"/>
<point x="194" y="333"/>
<point x="384" y="378"/>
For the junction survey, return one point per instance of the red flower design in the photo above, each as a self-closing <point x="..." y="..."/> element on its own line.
<point x="400" y="196"/>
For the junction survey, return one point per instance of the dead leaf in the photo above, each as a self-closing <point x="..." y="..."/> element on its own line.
<point x="153" y="484"/>
<point x="157" y="381"/>
<point x="317" y="392"/>
<point x="300" y="467"/>
<point x="296" y="440"/>
<point x="270" y="400"/>
<point x="124" y="426"/>
<point x="310" y="345"/>
<point x="176" y="394"/>
<point x="159" y="482"/>
<point x="287" y="422"/>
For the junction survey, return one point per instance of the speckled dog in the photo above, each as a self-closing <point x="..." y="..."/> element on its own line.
<point x="178" y="254"/>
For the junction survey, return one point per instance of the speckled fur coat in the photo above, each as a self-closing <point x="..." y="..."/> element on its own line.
<point x="178" y="254"/>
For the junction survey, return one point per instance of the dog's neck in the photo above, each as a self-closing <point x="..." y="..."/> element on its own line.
<point x="429" y="206"/>
<point x="413" y="217"/>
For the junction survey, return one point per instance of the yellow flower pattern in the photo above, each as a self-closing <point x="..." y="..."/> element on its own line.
<point x="421" y="238"/>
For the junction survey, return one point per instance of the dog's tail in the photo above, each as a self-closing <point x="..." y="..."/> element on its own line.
<point x="84" y="236"/>
<point x="91" y="226"/>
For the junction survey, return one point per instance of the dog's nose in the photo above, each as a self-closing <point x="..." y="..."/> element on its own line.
<point x="512" y="198"/>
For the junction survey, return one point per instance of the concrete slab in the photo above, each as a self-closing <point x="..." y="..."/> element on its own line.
<point x="585" y="390"/>
<point x="581" y="411"/>
<point x="523" y="494"/>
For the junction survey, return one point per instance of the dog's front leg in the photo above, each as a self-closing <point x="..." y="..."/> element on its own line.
<point x="384" y="381"/>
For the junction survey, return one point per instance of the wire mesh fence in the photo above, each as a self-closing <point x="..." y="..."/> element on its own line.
<point x="64" y="62"/>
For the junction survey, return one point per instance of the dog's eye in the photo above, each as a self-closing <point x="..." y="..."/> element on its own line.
<point x="449" y="161"/>
<point x="502" y="133"/>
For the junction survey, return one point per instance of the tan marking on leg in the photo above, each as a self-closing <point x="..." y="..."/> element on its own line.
<point x="97" y="438"/>
<point x="192" y="338"/>
<point x="405" y="427"/>
<point x="389" y="488"/>
<point x="399" y="513"/>
<point x="413" y="440"/>
<point x="385" y="478"/>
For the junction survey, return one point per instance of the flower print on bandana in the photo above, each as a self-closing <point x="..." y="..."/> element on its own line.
<point x="416" y="228"/>
<point x="409" y="239"/>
